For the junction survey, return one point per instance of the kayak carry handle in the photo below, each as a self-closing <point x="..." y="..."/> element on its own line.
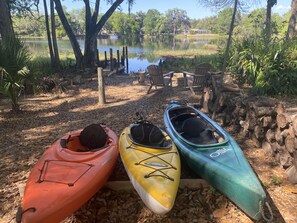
<point x="179" y="102"/>
<point x="20" y="213"/>
<point x="268" y="219"/>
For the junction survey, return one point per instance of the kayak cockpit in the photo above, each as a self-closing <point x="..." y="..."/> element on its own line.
<point x="73" y="143"/>
<point x="193" y="128"/>
<point x="148" y="135"/>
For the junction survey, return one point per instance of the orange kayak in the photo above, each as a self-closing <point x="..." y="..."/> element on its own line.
<point x="64" y="179"/>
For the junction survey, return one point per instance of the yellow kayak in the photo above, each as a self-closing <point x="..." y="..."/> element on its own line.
<point x="152" y="163"/>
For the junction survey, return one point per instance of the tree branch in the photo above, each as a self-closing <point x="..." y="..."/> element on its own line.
<point x="70" y="34"/>
<point x="96" y="12"/>
<point x="106" y="16"/>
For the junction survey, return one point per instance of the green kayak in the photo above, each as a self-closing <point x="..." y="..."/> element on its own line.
<point x="213" y="154"/>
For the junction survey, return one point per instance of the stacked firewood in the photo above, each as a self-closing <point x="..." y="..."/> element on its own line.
<point x="271" y="126"/>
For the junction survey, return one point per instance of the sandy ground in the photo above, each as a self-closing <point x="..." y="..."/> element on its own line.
<point x="46" y="117"/>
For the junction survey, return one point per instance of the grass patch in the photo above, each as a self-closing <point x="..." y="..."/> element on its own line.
<point x="206" y="50"/>
<point x="276" y="181"/>
<point x="189" y="64"/>
<point x="199" y="36"/>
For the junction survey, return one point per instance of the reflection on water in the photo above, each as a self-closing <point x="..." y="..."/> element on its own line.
<point x="140" y="50"/>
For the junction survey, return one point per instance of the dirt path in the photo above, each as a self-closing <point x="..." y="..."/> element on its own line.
<point x="45" y="118"/>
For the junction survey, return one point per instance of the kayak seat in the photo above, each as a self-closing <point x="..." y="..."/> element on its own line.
<point x="179" y="119"/>
<point x="196" y="131"/>
<point x="93" y="136"/>
<point x="149" y="135"/>
<point x="73" y="143"/>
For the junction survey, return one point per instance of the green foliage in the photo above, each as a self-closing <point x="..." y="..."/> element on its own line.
<point x="21" y="7"/>
<point x="269" y="68"/>
<point x="252" y="24"/>
<point x="189" y="64"/>
<point x="41" y="66"/>
<point x="223" y="21"/>
<point x="77" y="20"/>
<point x="177" y="19"/>
<point x="29" y="25"/>
<point x="276" y="181"/>
<point x="14" y="58"/>
<point x="150" y="21"/>
<point x="124" y="24"/>
<point x="155" y="23"/>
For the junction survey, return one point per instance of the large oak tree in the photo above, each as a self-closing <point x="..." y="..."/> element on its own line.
<point x="93" y="27"/>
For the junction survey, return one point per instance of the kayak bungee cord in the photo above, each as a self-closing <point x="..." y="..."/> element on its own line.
<point x="262" y="211"/>
<point x="151" y="174"/>
<point x="45" y="167"/>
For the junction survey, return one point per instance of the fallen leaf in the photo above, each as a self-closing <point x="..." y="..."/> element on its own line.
<point x="219" y="213"/>
<point x="290" y="188"/>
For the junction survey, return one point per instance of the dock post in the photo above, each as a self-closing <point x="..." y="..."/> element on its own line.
<point x="123" y="57"/>
<point x="101" y="88"/>
<point x="111" y="60"/>
<point x="118" y="60"/>
<point x="105" y="59"/>
<point x="127" y="65"/>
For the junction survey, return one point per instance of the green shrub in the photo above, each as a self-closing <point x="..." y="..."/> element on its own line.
<point x="269" y="67"/>
<point x="189" y="64"/>
<point x="14" y="58"/>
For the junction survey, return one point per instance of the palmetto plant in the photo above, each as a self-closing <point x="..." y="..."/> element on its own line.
<point x="14" y="58"/>
<point x="269" y="68"/>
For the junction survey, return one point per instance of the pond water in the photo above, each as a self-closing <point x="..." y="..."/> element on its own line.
<point x="141" y="51"/>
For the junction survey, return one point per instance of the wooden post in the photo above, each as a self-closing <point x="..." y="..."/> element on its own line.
<point x="101" y="89"/>
<point x="123" y="57"/>
<point x="118" y="59"/>
<point x="105" y="59"/>
<point x="127" y="65"/>
<point x="98" y="62"/>
<point x="111" y="62"/>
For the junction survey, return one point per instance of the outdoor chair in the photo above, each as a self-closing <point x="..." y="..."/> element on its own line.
<point x="158" y="78"/>
<point x="200" y="79"/>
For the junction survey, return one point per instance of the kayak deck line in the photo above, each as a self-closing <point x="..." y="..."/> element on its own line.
<point x="46" y="167"/>
<point x="151" y="165"/>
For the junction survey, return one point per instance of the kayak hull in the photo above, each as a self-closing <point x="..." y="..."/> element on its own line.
<point x="63" y="180"/>
<point x="222" y="164"/>
<point x="154" y="173"/>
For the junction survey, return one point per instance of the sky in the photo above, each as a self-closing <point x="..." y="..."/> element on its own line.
<point x="192" y="7"/>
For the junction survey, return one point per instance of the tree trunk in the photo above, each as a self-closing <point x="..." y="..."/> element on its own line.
<point x="69" y="32"/>
<point x="225" y="57"/>
<point x="92" y="30"/>
<point x="48" y="33"/>
<point x="292" y="21"/>
<point x="6" y="28"/>
<point x="268" y="20"/>
<point x="270" y="4"/>
<point x="90" y="54"/>
<point x="54" y="36"/>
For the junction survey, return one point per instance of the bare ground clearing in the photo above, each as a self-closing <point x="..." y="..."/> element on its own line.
<point x="25" y="136"/>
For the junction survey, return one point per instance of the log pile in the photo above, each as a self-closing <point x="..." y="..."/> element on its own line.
<point x="229" y="89"/>
<point x="271" y="126"/>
